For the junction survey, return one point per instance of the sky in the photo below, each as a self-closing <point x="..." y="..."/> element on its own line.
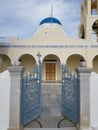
<point x="21" y="18"/>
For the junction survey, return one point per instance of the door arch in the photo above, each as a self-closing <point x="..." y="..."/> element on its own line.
<point x="51" y="68"/>
<point x="74" y="61"/>
<point x="28" y="61"/>
<point x="5" y="62"/>
<point x="95" y="63"/>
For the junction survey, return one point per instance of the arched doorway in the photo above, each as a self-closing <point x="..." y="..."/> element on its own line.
<point x="4" y="62"/>
<point x="51" y="68"/>
<point x="28" y="61"/>
<point x="73" y="61"/>
<point x="95" y="64"/>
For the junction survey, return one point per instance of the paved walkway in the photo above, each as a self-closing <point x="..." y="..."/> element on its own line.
<point x="51" y="105"/>
<point x="51" y="100"/>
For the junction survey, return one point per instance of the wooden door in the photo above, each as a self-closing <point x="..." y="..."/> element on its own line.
<point x="50" y="71"/>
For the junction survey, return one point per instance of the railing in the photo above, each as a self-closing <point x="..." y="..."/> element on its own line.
<point x="6" y="40"/>
<point x="11" y="42"/>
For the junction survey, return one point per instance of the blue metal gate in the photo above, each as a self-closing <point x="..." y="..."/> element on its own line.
<point x="31" y="95"/>
<point x="70" y="95"/>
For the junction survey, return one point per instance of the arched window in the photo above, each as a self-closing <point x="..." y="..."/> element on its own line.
<point x="95" y="31"/>
<point x="94" y="7"/>
<point x="82" y="32"/>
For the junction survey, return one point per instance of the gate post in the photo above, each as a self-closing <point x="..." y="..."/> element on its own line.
<point x="83" y="74"/>
<point x="16" y="73"/>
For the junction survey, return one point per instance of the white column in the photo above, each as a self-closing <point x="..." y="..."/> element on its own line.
<point x="16" y="73"/>
<point x="89" y="7"/>
<point x="84" y="79"/>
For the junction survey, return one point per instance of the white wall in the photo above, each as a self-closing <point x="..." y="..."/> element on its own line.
<point x="94" y="99"/>
<point x="4" y="100"/>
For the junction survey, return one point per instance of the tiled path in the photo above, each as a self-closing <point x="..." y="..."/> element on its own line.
<point x="51" y="105"/>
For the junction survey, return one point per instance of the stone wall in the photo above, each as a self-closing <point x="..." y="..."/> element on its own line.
<point x="5" y="100"/>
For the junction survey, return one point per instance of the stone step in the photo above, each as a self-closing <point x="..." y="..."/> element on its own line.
<point x="51" y="83"/>
<point x="65" y="128"/>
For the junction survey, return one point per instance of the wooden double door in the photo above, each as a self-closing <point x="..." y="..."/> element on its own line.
<point x="50" y="71"/>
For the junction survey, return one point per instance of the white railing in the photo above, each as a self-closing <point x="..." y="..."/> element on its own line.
<point x="8" y="40"/>
<point x="5" y="40"/>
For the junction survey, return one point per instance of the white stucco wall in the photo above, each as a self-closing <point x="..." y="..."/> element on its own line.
<point x="94" y="99"/>
<point x="4" y="100"/>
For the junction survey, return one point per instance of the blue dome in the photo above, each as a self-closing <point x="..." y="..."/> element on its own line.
<point x="50" y="20"/>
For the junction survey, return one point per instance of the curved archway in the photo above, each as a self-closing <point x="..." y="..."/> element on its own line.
<point x="28" y="61"/>
<point x="5" y="62"/>
<point x="95" y="63"/>
<point x="51" y="68"/>
<point x="74" y="61"/>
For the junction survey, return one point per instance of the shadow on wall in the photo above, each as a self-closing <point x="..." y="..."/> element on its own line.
<point x="4" y="99"/>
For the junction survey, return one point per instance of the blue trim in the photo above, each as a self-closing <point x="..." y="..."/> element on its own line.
<point x="50" y="20"/>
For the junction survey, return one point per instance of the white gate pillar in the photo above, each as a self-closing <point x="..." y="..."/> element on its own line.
<point x="84" y="79"/>
<point x="16" y="73"/>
